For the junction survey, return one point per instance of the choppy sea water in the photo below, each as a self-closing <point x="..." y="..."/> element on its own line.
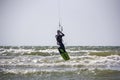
<point x="45" y="63"/>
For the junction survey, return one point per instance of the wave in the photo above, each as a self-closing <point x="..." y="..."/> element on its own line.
<point x="45" y="63"/>
<point x="56" y="63"/>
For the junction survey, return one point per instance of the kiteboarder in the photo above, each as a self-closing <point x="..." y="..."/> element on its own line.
<point x="59" y="40"/>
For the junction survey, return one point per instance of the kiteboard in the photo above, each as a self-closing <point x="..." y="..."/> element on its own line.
<point x="64" y="54"/>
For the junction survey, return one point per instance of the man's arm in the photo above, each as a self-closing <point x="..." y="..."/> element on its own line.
<point x="62" y="33"/>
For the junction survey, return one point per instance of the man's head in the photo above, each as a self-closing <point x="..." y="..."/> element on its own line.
<point x="58" y="31"/>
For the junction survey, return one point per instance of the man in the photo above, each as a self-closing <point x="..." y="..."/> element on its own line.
<point x="59" y="40"/>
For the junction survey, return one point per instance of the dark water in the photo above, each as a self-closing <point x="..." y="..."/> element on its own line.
<point x="45" y="63"/>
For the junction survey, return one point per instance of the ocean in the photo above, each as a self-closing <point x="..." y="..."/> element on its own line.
<point x="45" y="63"/>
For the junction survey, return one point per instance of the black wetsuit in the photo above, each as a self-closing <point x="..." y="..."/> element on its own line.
<point x="60" y="41"/>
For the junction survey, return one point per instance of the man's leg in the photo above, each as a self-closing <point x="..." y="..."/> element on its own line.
<point x="62" y="46"/>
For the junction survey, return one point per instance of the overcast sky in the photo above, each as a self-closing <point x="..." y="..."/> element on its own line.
<point x="85" y="22"/>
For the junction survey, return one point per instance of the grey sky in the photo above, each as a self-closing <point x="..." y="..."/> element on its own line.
<point x="34" y="22"/>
